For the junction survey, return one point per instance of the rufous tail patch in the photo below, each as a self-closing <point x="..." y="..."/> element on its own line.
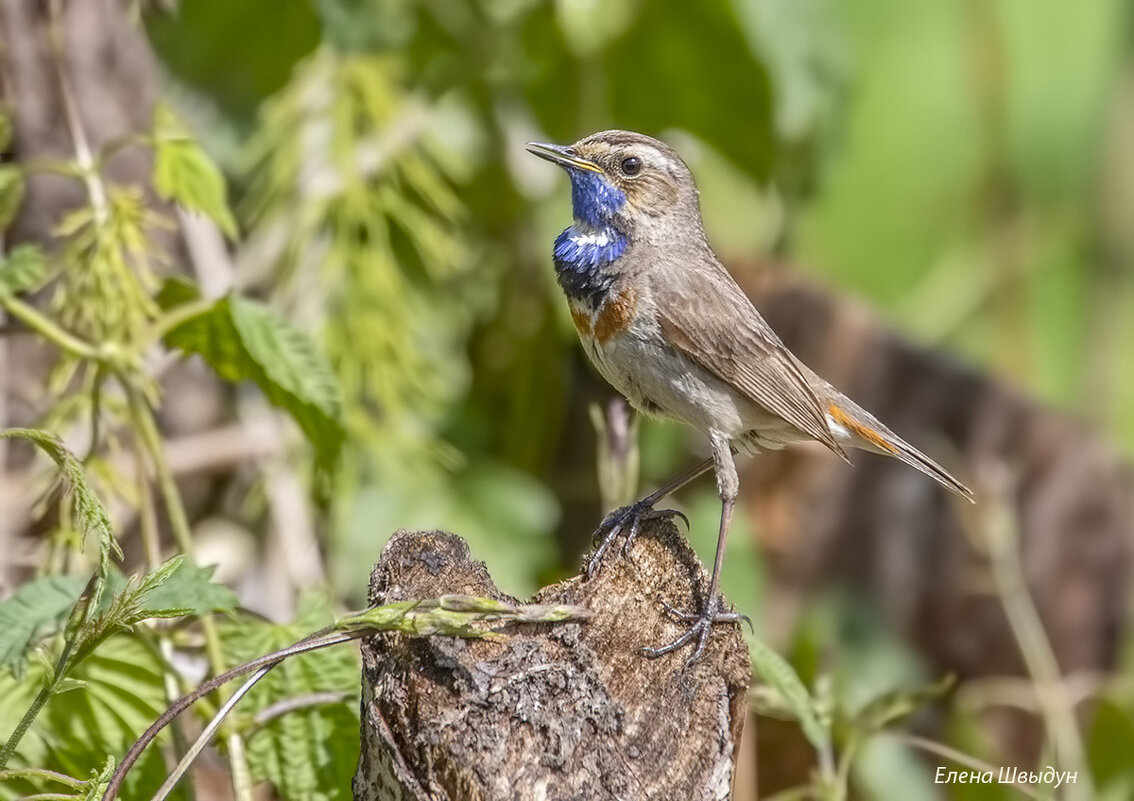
<point x="866" y="432"/>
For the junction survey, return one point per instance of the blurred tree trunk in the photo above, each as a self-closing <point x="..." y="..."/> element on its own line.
<point x="568" y="711"/>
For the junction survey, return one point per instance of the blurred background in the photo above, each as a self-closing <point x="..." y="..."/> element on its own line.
<point x="932" y="202"/>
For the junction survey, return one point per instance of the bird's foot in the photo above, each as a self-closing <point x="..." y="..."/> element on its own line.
<point x="627" y="521"/>
<point x="698" y="632"/>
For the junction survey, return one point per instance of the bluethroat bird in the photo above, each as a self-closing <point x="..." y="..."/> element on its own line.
<point x="664" y="322"/>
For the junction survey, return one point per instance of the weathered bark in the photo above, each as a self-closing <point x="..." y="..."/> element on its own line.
<point x="567" y="711"/>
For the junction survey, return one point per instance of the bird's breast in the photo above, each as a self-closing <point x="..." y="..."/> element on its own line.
<point x="623" y="340"/>
<point x="612" y="318"/>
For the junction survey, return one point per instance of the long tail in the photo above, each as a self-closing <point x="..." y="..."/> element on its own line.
<point x="857" y="427"/>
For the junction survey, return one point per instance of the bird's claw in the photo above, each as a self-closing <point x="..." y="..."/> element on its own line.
<point x="718" y="617"/>
<point x="702" y="624"/>
<point x="626" y="519"/>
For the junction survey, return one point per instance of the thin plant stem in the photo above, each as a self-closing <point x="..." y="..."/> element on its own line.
<point x="42" y="773"/>
<point x="207" y="734"/>
<point x="182" y="533"/>
<point x="320" y="639"/>
<point x="80" y="614"/>
<point x="178" y="316"/>
<point x="1027" y="627"/>
<point x="84" y="156"/>
<point x="149" y="528"/>
<point x="47" y="328"/>
<point x="961" y="758"/>
<point x="289" y="705"/>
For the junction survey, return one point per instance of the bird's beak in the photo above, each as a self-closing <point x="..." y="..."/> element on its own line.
<point x="563" y="156"/>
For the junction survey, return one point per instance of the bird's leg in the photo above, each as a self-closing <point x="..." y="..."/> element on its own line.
<point x="728" y="484"/>
<point x="628" y="519"/>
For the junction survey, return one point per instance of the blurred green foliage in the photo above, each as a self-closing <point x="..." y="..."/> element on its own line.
<point x="928" y="156"/>
<point x="961" y="164"/>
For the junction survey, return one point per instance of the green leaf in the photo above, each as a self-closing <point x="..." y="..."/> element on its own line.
<point x="124" y="694"/>
<point x="895" y="705"/>
<point x="99" y="781"/>
<point x="90" y="515"/>
<point x="184" y="173"/>
<point x="173" y="589"/>
<point x="37" y="609"/>
<point x="309" y="754"/>
<point x="22" y="270"/>
<point x="299" y="378"/>
<point x="212" y="336"/>
<point x="176" y="291"/>
<point x="776" y="671"/>
<point x="245" y="340"/>
<point x="12" y="186"/>
<point x="189" y="588"/>
<point x="122" y="691"/>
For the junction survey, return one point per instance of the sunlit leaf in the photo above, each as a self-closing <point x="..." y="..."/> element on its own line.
<point x="245" y="340"/>
<point x="189" y="587"/>
<point x="90" y="515"/>
<point x="124" y="693"/>
<point x="116" y="694"/>
<point x="22" y="269"/>
<point x="309" y="754"/>
<point x="184" y="173"/>
<point x="99" y="781"/>
<point x="37" y="608"/>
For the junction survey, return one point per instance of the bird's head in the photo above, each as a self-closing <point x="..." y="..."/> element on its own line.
<point x="624" y="179"/>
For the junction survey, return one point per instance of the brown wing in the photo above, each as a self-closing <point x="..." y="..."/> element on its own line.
<point x="706" y="316"/>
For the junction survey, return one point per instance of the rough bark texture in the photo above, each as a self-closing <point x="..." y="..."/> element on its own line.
<point x="568" y="711"/>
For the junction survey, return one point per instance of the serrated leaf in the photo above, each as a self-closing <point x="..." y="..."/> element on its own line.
<point x="38" y="608"/>
<point x="99" y="781"/>
<point x="12" y="186"/>
<point x="90" y="515"/>
<point x="299" y="379"/>
<point x="122" y="692"/>
<point x="780" y="675"/>
<point x="23" y="269"/>
<point x="184" y="173"/>
<point x="309" y="754"/>
<point x="245" y="340"/>
<point x="173" y="589"/>
<point x="191" y="590"/>
<point x="211" y="336"/>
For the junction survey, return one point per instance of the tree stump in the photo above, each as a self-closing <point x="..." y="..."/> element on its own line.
<point x="554" y="711"/>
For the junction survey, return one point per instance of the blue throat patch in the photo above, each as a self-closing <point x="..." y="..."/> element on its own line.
<point x="584" y="249"/>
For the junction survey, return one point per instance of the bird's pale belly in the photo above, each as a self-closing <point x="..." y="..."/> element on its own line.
<point x="631" y="354"/>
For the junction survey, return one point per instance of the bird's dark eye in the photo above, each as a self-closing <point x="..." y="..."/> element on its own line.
<point x="631" y="165"/>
